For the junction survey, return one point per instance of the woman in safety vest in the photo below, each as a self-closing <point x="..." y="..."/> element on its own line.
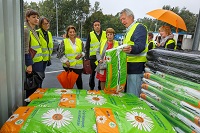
<point x="32" y="41"/>
<point x="46" y="41"/>
<point x="100" y="55"/>
<point x="151" y="44"/>
<point x="71" y="53"/>
<point x="167" y="40"/>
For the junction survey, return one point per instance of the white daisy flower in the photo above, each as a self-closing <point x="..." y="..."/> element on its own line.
<point x="95" y="128"/>
<point x="95" y="99"/>
<point x="101" y="119"/>
<point x="13" y="117"/>
<point x="57" y="118"/>
<point x="63" y="91"/>
<point x="64" y="99"/>
<point x="140" y="120"/>
<point x="108" y="58"/>
<point x="118" y="94"/>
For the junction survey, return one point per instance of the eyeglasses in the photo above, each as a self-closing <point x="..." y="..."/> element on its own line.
<point x="45" y="23"/>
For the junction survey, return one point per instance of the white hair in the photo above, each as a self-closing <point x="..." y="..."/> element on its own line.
<point x="128" y="12"/>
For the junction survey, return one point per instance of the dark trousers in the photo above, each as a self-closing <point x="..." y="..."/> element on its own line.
<point x="79" y="82"/>
<point x="92" y="76"/>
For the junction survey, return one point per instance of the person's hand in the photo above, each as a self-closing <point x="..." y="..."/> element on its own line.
<point x="67" y="63"/>
<point x="100" y="61"/>
<point x="29" y="69"/>
<point x="78" y="56"/>
<point x="158" y="44"/>
<point x="127" y="49"/>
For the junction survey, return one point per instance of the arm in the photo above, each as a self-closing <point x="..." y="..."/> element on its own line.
<point x="139" y="38"/>
<point x="28" y="59"/>
<point x="150" y="45"/>
<point x="87" y="48"/>
<point x="61" y="52"/>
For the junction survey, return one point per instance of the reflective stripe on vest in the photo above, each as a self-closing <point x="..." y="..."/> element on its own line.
<point x="94" y="43"/>
<point x="135" y="57"/>
<point x="70" y="54"/>
<point x="47" y="49"/>
<point x="169" y="42"/>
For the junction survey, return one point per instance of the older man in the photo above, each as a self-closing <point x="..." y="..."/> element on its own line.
<point x="136" y="39"/>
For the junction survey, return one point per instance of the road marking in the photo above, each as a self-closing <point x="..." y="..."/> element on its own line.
<point x="54" y="71"/>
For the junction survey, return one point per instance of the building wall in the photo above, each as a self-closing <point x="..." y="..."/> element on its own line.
<point x="10" y="58"/>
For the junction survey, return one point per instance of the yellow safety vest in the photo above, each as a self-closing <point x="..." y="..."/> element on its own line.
<point x="94" y="43"/>
<point x="47" y="49"/>
<point x="154" y="45"/>
<point x="169" y="42"/>
<point x="135" y="57"/>
<point x="36" y="46"/>
<point x="103" y="43"/>
<point x="70" y="54"/>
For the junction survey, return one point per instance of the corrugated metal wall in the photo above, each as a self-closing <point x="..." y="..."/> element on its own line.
<point x="11" y="61"/>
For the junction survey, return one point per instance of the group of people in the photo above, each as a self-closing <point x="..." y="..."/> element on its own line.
<point x="72" y="52"/>
<point x="40" y="41"/>
<point x="164" y="40"/>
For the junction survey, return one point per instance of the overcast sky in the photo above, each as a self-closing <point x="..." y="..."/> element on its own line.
<point x="141" y="7"/>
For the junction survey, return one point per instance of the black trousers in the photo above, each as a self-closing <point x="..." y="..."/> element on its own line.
<point x="79" y="81"/>
<point x="92" y="76"/>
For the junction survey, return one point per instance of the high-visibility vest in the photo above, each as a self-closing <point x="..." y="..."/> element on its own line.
<point x="47" y="49"/>
<point x="94" y="43"/>
<point x="70" y="54"/>
<point x="133" y="57"/>
<point x="154" y="45"/>
<point x="103" y="43"/>
<point x="169" y="41"/>
<point x="36" y="46"/>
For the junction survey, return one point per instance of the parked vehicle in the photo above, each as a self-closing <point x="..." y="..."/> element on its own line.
<point x="56" y="41"/>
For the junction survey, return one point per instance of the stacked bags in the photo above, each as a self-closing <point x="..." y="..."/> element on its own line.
<point x="73" y="110"/>
<point x="171" y="92"/>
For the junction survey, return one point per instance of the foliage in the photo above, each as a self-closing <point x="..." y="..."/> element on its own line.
<point x="81" y="14"/>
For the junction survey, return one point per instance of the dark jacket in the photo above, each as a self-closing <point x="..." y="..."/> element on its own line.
<point x="139" y="38"/>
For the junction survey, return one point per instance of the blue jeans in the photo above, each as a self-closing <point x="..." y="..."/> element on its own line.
<point x="134" y="82"/>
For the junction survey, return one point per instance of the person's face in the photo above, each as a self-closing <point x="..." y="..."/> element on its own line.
<point x="110" y="36"/>
<point x="126" y="20"/>
<point x="97" y="26"/>
<point x="72" y="33"/>
<point x="45" y="24"/>
<point x="33" y="20"/>
<point x="163" y="34"/>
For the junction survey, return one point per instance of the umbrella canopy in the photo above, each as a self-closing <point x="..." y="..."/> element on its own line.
<point x="168" y="17"/>
<point x="67" y="79"/>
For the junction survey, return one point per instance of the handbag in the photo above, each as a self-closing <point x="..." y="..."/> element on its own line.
<point x="49" y="62"/>
<point x="32" y="52"/>
<point x="86" y="67"/>
<point x="33" y="80"/>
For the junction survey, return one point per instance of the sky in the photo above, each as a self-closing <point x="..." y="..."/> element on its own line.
<point x="141" y="7"/>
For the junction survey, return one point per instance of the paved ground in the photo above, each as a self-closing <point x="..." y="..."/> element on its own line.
<point x="52" y="71"/>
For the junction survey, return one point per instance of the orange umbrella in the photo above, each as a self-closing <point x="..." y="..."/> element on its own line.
<point x="168" y="17"/>
<point x="67" y="79"/>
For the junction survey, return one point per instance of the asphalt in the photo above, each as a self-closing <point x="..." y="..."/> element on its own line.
<point x="52" y="71"/>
